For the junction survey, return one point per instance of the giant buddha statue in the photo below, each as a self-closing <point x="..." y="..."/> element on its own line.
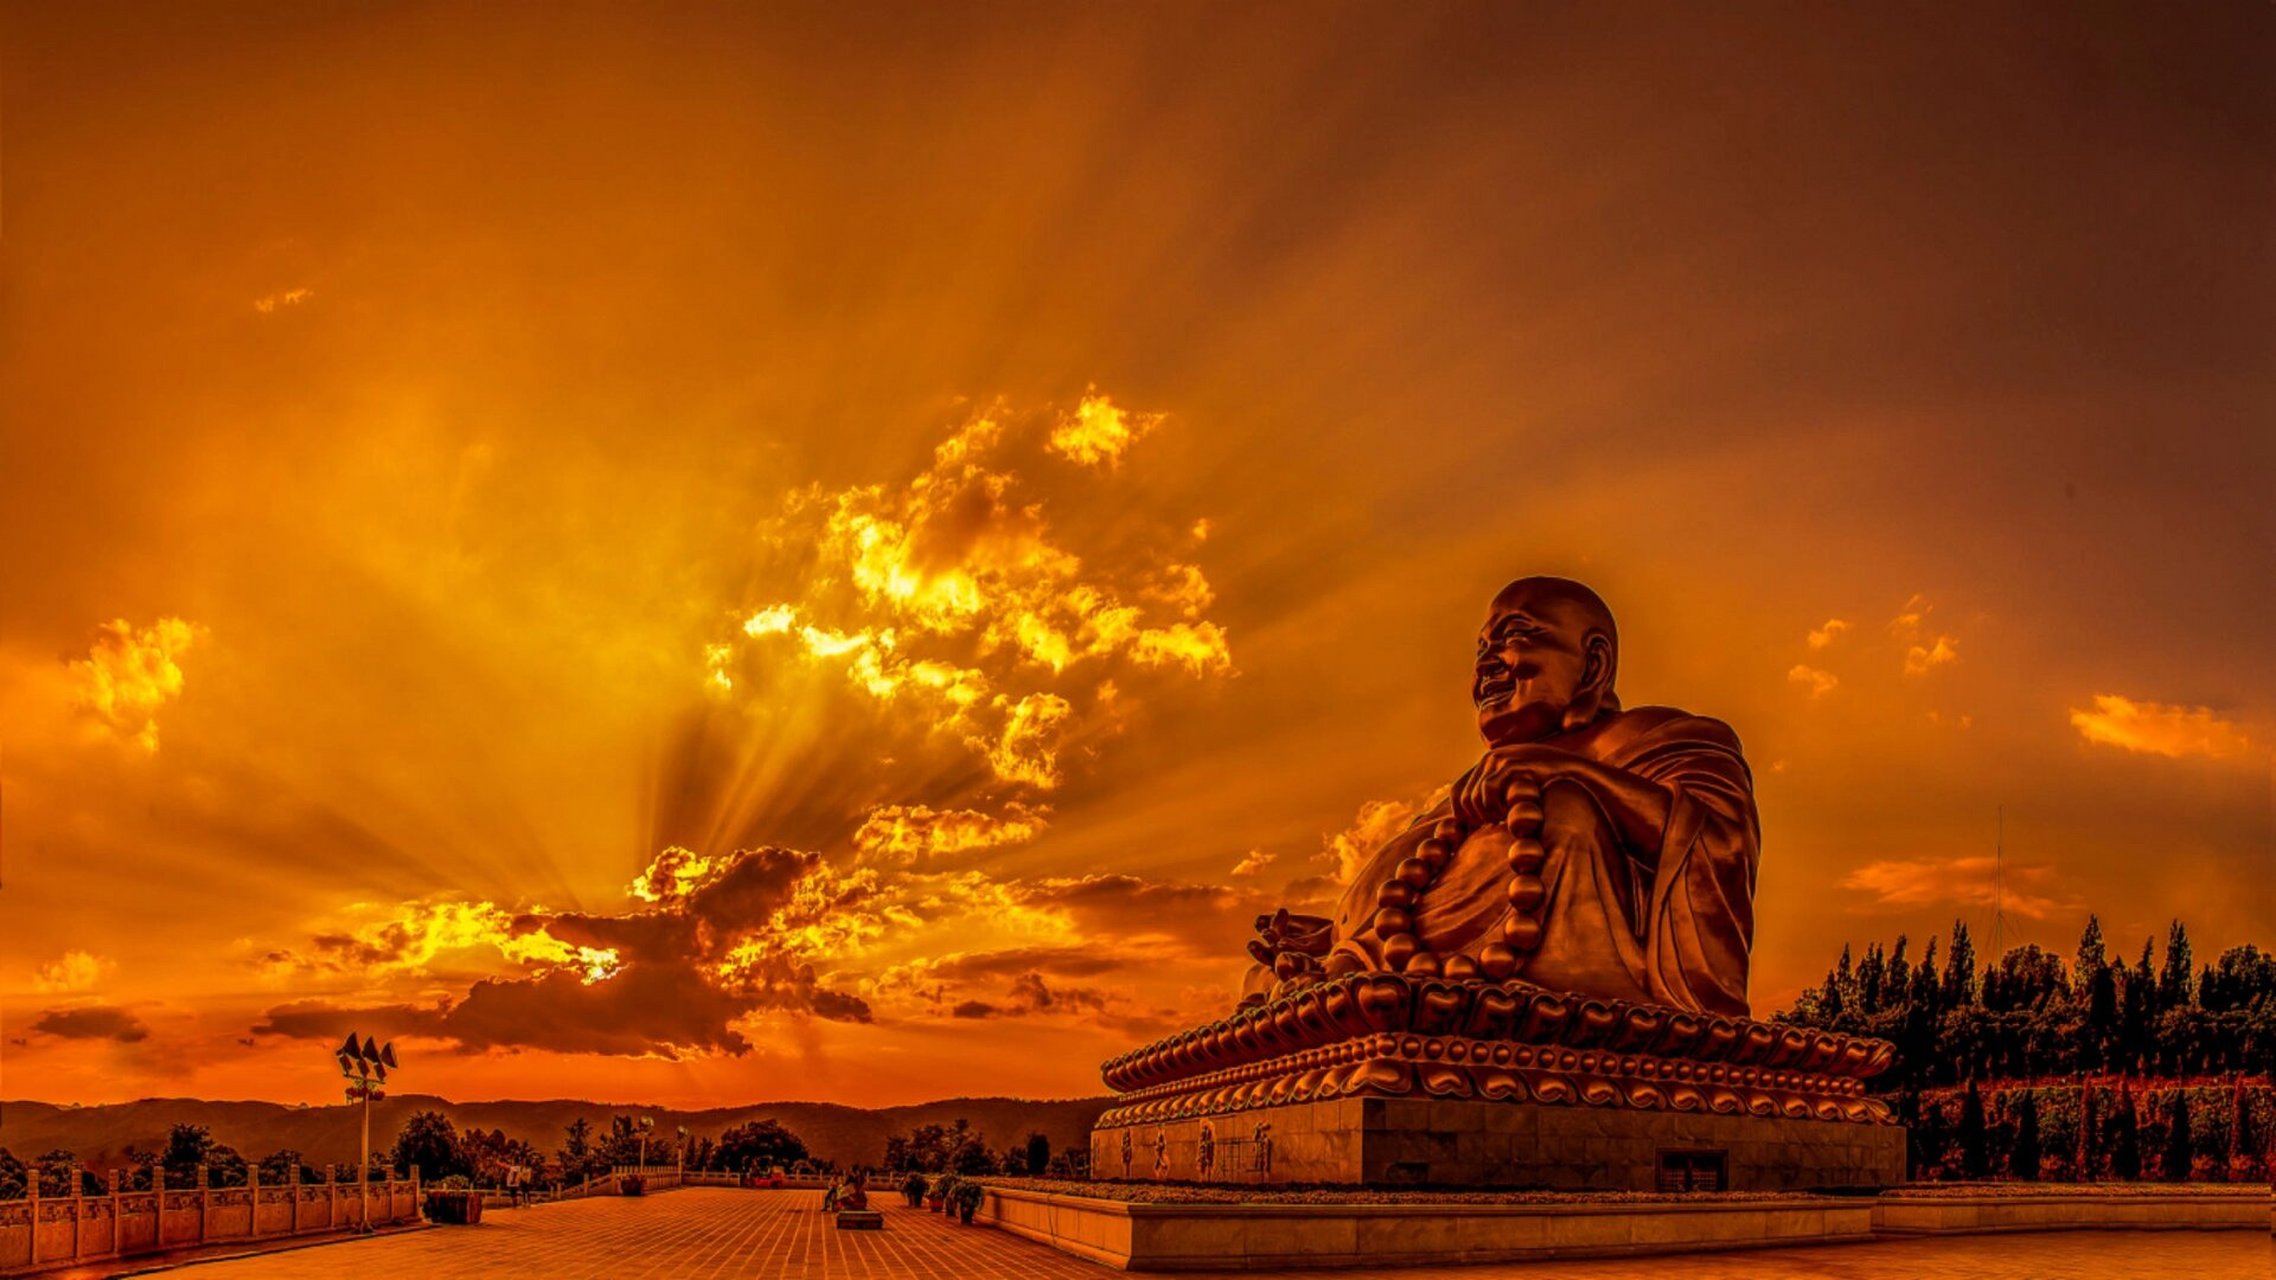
<point x="1592" y="849"/>
<point x="1541" y="981"/>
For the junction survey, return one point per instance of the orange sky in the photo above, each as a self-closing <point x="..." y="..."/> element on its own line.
<point x="842" y="552"/>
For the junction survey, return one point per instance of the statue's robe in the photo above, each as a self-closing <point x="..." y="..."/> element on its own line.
<point x="1669" y="925"/>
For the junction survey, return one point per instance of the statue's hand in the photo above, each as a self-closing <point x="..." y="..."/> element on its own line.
<point x="1482" y="796"/>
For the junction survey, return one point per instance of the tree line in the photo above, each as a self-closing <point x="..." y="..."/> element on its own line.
<point x="188" y="1152"/>
<point x="960" y="1149"/>
<point x="429" y="1143"/>
<point x="2030" y="1067"/>
<point x="2028" y="1015"/>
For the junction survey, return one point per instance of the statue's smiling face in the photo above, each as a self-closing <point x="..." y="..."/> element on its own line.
<point x="1533" y="659"/>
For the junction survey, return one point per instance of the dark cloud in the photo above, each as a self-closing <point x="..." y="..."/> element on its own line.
<point x="93" y="1022"/>
<point x="644" y="1009"/>
<point x="1029" y="995"/>
<point x="1073" y="962"/>
<point x="755" y="886"/>
<point x="710" y="954"/>
<point x="664" y="1010"/>
<point x="1205" y="918"/>
<point x="653" y="936"/>
<point x="322" y="1020"/>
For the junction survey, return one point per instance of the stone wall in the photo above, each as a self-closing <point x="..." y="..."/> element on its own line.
<point x="1461" y="1143"/>
<point x="1265" y="1235"/>
<point x="44" y="1232"/>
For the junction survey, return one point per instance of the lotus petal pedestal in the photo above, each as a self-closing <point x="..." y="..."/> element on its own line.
<point x="1384" y="1080"/>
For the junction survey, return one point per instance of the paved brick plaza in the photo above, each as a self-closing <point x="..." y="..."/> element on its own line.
<point x="703" y="1232"/>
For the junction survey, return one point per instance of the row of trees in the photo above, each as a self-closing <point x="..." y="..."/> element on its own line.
<point x="2085" y="1132"/>
<point x="189" y="1149"/>
<point x="961" y="1149"/>
<point x="2028" y="1014"/>
<point x="428" y="1142"/>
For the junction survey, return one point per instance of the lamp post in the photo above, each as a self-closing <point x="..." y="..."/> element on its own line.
<point x="646" y="1123"/>
<point x="365" y="1066"/>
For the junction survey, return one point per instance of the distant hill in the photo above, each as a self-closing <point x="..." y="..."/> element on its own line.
<point x="99" y="1135"/>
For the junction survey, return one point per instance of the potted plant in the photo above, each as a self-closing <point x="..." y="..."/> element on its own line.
<point x="913" y="1191"/>
<point x="936" y="1196"/>
<point x="454" y="1200"/>
<point x="632" y="1184"/>
<point x="965" y="1199"/>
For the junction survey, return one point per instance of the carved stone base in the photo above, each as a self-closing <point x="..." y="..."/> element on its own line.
<point x="1466" y="1143"/>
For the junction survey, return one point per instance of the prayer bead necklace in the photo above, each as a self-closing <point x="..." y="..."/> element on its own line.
<point x="1400" y="898"/>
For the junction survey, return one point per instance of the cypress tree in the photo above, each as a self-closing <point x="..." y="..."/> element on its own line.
<point x="2091" y="954"/>
<point x="1908" y="1115"/>
<point x="1896" y="981"/>
<point x="1975" y="1154"/>
<point x="2177" y="983"/>
<point x="2125" y="1136"/>
<point x="2179" y="1145"/>
<point x="2244" y="1142"/>
<point x="1960" y="970"/>
<point x="2025" y="1162"/>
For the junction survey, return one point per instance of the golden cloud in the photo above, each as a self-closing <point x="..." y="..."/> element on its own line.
<point x="129" y="674"/>
<point x="412" y="938"/>
<point x="1915" y="882"/>
<point x="714" y="940"/>
<point x="954" y="598"/>
<point x="1256" y="861"/>
<point x="267" y="305"/>
<point x="1923" y="652"/>
<point x="1098" y="432"/>
<point x="1819" y="683"/>
<point x="915" y="834"/>
<point x="1374" y="825"/>
<point x="1920" y="659"/>
<point x="1828" y="633"/>
<point x="2154" y="728"/>
<point x="73" y="971"/>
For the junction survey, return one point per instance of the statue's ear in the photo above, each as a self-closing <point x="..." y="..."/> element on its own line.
<point x="1595" y="694"/>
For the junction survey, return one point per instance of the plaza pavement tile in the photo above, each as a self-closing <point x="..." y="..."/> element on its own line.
<point x="702" y="1232"/>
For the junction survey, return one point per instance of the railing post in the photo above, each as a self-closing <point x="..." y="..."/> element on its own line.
<point x="78" y="1215"/>
<point x="292" y="1175"/>
<point x="32" y="1208"/>
<point x="331" y="1197"/>
<point x="205" y="1202"/>
<point x="118" y="1212"/>
<point x="253" y="1190"/>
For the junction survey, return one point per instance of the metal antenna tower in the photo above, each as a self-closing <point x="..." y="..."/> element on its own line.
<point x="1999" y="886"/>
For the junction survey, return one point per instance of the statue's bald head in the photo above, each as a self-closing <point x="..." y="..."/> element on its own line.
<point x="1546" y="660"/>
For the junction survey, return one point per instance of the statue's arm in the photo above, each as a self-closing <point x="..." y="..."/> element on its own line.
<point x="1637" y="806"/>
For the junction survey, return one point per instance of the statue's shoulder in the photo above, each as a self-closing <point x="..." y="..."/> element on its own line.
<point x="1642" y="729"/>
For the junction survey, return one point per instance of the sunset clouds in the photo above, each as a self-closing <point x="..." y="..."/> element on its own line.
<point x="669" y="578"/>
<point x="92" y="1022"/>
<point x="2153" y="728"/>
<point x="908" y="834"/>
<point x="2024" y="889"/>
<point x="958" y="596"/>
<point x="130" y="673"/>
<point x="73" y="971"/>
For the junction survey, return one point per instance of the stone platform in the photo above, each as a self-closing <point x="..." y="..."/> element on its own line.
<point x="1389" y="1080"/>
<point x="1445" y="1142"/>
<point x="1284" y="1233"/>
